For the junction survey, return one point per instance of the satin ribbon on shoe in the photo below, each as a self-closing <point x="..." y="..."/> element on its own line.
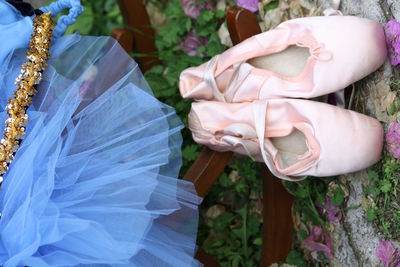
<point x="256" y="144"/>
<point x="242" y="70"/>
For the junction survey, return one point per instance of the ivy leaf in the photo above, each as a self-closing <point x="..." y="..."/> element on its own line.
<point x="238" y="232"/>
<point x="295" y="258"/>
<point x="190" y="152"/>
<point x="302" y="192"/>
<point x="174" y="10"/>
<point x="303" y="234"/>
<point x="338" y="197"/>
<point x="253" y="225"/>
<point x="223" y="221"/>
<point x="308" y="215"/>
<point x="241" y="186"/>
<point x="225" y="181"/>
<point x="205" y="17"/>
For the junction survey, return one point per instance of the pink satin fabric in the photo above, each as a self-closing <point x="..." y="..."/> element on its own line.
<point x="339" y="49"/>
<point x="339" y="141"/>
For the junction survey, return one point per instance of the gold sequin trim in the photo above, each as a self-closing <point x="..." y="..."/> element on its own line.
<point x="26" y="83"/>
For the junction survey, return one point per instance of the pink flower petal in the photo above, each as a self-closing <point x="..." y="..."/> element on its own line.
<point x="251" y="5"/>
<point x="318" y="241"/>
<point x="333" y="213"/>
<point x="392" y="32"/>
<point x="192" y="43"/>
<point x="393" y="139"/>
<point x="385" y="251"/>
<point x="193" y="9"/>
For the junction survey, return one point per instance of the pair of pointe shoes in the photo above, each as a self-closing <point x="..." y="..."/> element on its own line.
<point x="252" y="92"/>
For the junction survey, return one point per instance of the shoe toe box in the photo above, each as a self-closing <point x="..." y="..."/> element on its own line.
<point x="357" y="46"/>
<point x="349" y="142"/>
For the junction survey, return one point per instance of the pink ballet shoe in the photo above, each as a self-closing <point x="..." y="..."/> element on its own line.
<point x="301" y="58"/>
<point x="295" y="138"/>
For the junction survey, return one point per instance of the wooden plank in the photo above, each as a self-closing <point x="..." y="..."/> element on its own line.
<point x="137" y="21"/>
<point x="124" y="38"/>
<point x="277" y="202"/>
<point x="277" y="220"/>
<point x="207" y="169"/>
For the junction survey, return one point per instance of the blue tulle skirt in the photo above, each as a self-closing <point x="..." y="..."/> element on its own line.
<point x="94" y="182"/>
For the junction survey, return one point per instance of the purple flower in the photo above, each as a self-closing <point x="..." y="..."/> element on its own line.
<point x="396" y="259"/>
<point x="393" y="139"/>
<point x="333" y="213"/>
<point x="392" y="32"/>
<point x="251" y="5"/>
<point x="318" y="241"/>
<point x="192" y="43"/>
<point x="320" y="209"/>
<point x="193" y="9"/>
<point x="387" y="254"/>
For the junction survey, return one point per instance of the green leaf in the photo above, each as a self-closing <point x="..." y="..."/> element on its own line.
<point x="371" y="214"/>
<point x="321" y="200"/>
<point x="302" y="192"/>
<point x="205" y="17"/>
<point x="225" y="181"/>
<point x="295" y="258"/>
<point x="190" y="152"/>
<point x="84" y="23"/>
<point x="217" y="243"/>
<point x="338" y="197"/>
<point x="303" y="234"/>
<point x="392" y="109"/>
<point x="310" y="215"/>
<point x="253" y="225"/>
<point x="272" y="5"/>
<point x="158" y="69"/>
<point x="222" y="222"/>
<point x="257" y="241"/>
<point x="174" y="9"/>
<point x="236" y="261"/>
<point x="385" y="186"/>
<point x="219" y="14"/>
<point x="241" y="186"/>
<point x="238" y="232"/>
<point x="188" y="24"/>
<point x="373" y="175"/>
<point x="374" y="190"/>
<point x="201" y="49"/>
<point x="108" y="5"/>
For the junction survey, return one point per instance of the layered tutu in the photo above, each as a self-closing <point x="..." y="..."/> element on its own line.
<point x="94" y="182"/>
